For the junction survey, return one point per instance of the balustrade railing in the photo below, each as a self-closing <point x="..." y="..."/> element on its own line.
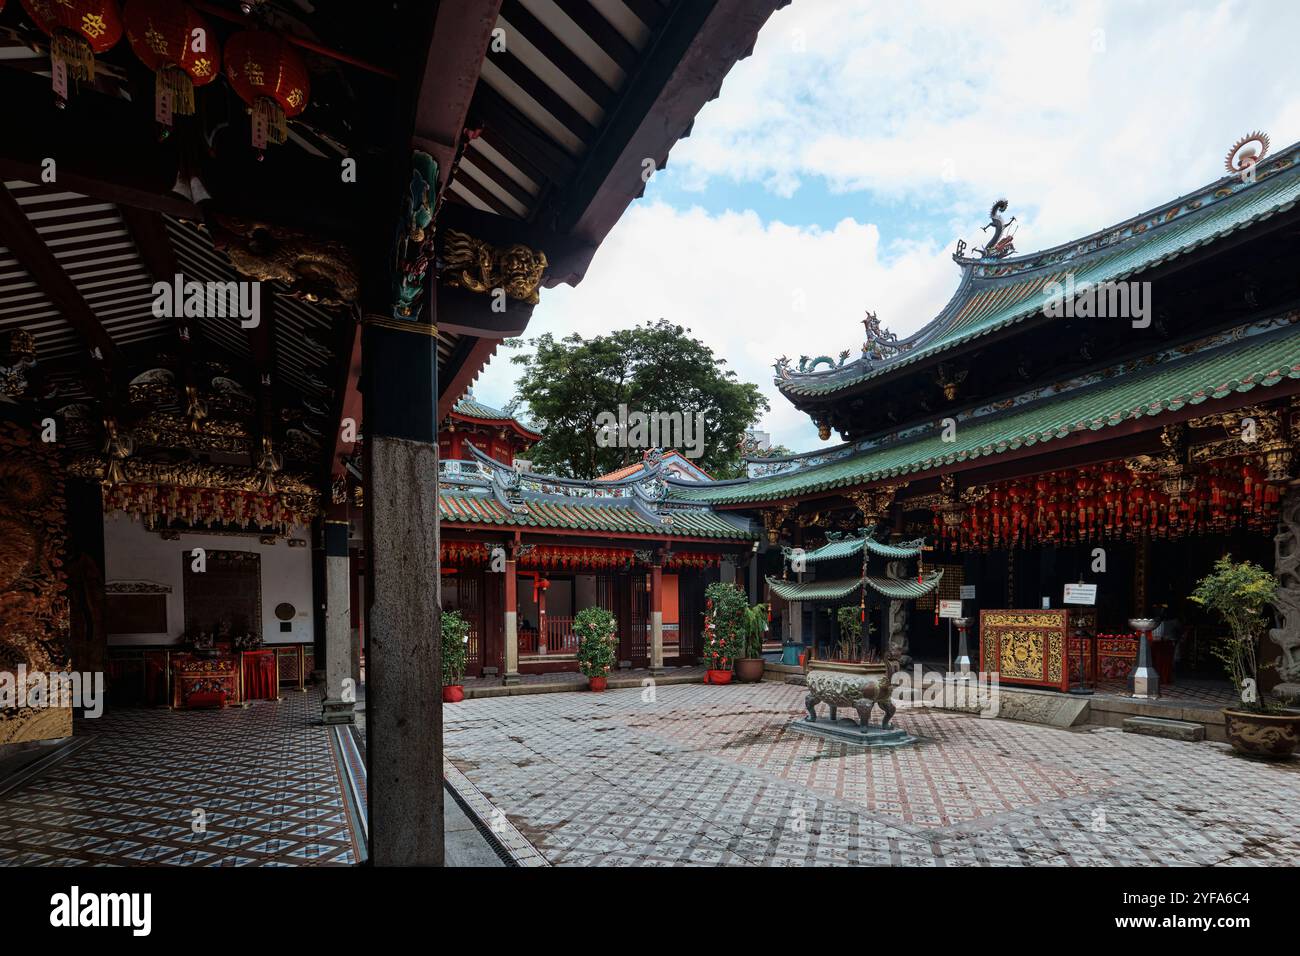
<point x="557" y="639"/>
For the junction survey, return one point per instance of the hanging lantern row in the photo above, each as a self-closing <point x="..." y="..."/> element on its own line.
<point x="469" y="553"/>
<point x="164" y="504"/>
<point x="174" y="41"/>
<point x="1113" y="501"/>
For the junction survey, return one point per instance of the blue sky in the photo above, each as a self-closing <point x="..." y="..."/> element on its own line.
<point x="843" y="159"/>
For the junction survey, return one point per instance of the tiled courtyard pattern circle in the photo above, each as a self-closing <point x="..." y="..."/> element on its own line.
<point x="713" y="775"/>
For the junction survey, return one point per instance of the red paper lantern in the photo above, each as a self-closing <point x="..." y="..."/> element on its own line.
<point x="78" y="29"/>
<point x="176" y="43"/>
<point x="270" y="76"/>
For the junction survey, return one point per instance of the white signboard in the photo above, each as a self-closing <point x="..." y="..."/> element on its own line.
<point x="967" y="592"/>
<point x="1080" y="594"/>
<point x="950" y="608"/>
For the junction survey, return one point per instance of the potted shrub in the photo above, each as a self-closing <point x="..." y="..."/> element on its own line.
<point x="595" y="629"/>
<point x="724" y="629"/>
<point x="1239" y="594"/>
<point x="749" y="666"/>
<point x="455" y="652"/>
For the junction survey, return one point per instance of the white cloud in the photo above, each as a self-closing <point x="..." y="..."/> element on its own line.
<point x="738" y="283"/>
<point x="1081" y="114"/>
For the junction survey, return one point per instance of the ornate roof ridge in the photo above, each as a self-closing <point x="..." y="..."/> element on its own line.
<point x="1283" y="159"/>
<point x="979" y="275"/>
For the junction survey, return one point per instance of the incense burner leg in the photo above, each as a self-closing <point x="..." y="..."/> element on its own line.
<point x="887" y="705"/>
<point x="834" y="713"/>
<point x="810" y="702"/>
<point x="864" y="706"/>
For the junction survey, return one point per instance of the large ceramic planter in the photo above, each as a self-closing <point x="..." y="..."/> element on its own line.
<point x="453" y="694"/>
<point x="598" y="684"/>
<point x="1262" y="735"/>
<point x="749" y="669"/>
<point x="717" y="677"/>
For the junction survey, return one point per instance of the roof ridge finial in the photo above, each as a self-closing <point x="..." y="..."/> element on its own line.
<point x="1246" y="154"/>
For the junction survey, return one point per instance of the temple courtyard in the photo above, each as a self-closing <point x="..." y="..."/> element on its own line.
<point x="707" y="775"/>
<point x="674" y="774"/>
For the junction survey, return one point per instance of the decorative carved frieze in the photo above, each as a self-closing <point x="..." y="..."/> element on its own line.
<point x="873" y="503"/>
<point x="1286" y="551"/>
<point x="773" y="519"/>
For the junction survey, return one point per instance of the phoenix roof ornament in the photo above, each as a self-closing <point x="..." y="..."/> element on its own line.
<point x="1246" y="152"/>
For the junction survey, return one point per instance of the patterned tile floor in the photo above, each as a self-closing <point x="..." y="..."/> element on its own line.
<point x="712" y="775"/>
<point x="573" y="677"/>
<point x="264" y="781"/>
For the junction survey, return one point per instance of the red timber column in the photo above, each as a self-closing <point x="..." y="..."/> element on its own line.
<point x="657" y="614"/>
<point x="542" y="642"/>
<point x="511" y="676"/>
<point x="340" y="695"/>
<point x="399" y="386"/>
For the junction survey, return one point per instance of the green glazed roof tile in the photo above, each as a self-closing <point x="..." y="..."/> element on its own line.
<point x="469" y="508"/>
<point x="1257" y="361"/>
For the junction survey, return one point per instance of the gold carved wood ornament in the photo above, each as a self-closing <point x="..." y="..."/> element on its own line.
<point x="473" y="264"/>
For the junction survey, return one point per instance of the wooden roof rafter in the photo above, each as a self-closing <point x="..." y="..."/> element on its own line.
<point x="99" y="362"/>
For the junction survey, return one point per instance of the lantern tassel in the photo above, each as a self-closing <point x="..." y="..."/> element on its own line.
<point x="75" y="51"/>
<point x="177" y="82"/>
<point x="268" y="112"/>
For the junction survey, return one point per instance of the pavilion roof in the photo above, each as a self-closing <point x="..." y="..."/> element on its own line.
<point x="470" y="408"/>
<point x="995" y="294"/>
<point x="849" y="547"/>
<point x="897" y="589"/>
<point x="1238" y="360"/>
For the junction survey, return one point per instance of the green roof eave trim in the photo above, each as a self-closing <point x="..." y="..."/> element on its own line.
<point x="896" y="589"/>
<point x="905" y="589"/>
<point x="814" y="590"/>
<point x="464" y="509"/>
<point x="909" y="549"/>
<point x="1258" y="361"/>
<point x="849" y="547"/>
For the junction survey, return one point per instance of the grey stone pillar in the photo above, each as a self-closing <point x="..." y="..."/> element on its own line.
<point x="403" y="625"/>
<point x="340" y="691"/>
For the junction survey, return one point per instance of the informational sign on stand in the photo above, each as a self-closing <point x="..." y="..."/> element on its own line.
<point x="950" y="608"/>
<point x="1080" y="594"/>
<point x="968" y="592"/>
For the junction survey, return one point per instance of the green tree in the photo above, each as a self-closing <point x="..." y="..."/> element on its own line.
<point x="652" y="368"/>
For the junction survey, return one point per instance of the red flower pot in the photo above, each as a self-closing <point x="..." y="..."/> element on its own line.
<point x="598" y="683"/>
<point x="453" y="694"/>
<point x="717" y="677"/>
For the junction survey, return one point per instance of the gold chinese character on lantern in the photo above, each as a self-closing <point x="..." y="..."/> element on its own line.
<point x="92" y="24"/>
<point x="157" y="42"/>
<point x="201" y="67"/>
<point x="295" y="98"/>
<point x="253" y="72"/>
